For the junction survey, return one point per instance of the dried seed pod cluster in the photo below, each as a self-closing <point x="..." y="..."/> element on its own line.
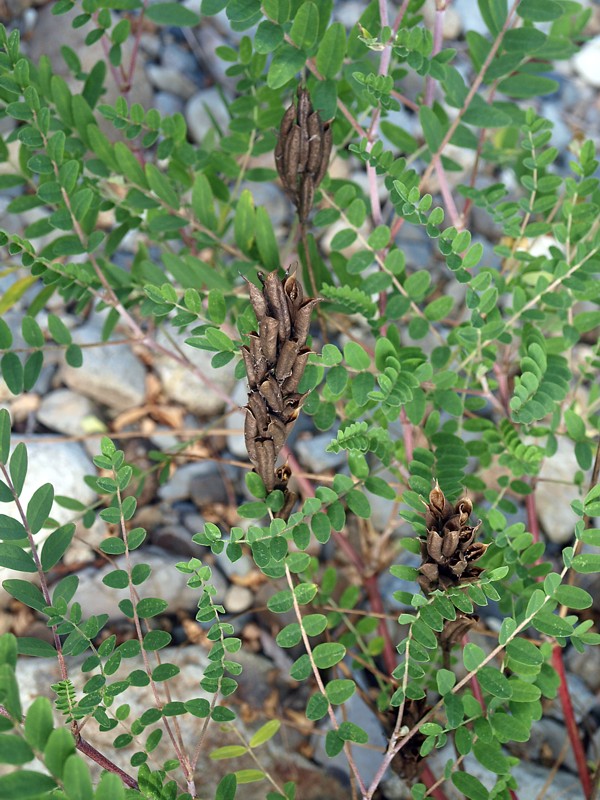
<point x="275" y="359"/>
<point x="450" y="551"/>
<point x="302" y="152"/>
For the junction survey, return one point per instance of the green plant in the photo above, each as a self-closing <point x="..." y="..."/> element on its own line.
<point x="429" y="393"/>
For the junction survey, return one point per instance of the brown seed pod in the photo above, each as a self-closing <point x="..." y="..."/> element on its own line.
<point x="278" y="304"/>
<point x="437" y="499"/>
<point x="294" y="293"/>
<point x="258" y="408"/>
<point x="327" y="144"/>
<point x="307" y="195"/>
<point x="278" y="433"/>
<point x="259" y="362"/>
<point x="249" y="364"/>
<point x="464" y="508"/>
<point x="286" y="360"/>
<point x="449" y="543"/>
<point x="302" y="321"/>
<point x="291" y="159"/>
<point x="287" y="121"/>
<point x="434" y="547"/>
<point x="304" y="107"/>
<point x="250" y="434"/>
<point x="271" y="392"/>
<point x="315" y="144"/>
<point x="265" y="457"/>
<point x="269" y="328"/>
<point x="292" y="383"/>
<point x="259" y="303"/>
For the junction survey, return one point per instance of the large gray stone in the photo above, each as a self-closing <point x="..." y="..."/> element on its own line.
<point x="68" y="412"/>
<point x="64" y="465"/>
<point x="200" y="110"/>
<point x="555" y="492"/>
<point x="164" y="581"/>
<point x="183" y="385"/>
<point x="110" y="374"/>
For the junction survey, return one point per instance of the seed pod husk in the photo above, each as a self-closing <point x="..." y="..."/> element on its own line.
<point x="304" y="107"/>
<point x="249" y="364"/>
<point x="291" y="159"/>
<point x="450" y="543"/>
<point x="292" y="383"/>
<point x="302" y="321"/>
<point x="265" y="458"/>
<point x="278" y="304"/>
<point x="294" y="293"/>
<point x="287" y="121"/>
<point x="286" y="360"/>
<point x="259" y="303"/>
<point x="434" y="547"/>
<point x="269" y="328"/>
<point x="277" y="431"/>
<point x="327" y="144"/>
<point x="271" y="392"/>
<point x="250" y="434"/>
<point x="258" y="408"/>
<point x="259" y="362"/>
<point x="315" y="144"/>
<point x="303" y="150"/>
<point x="307" y="195"/>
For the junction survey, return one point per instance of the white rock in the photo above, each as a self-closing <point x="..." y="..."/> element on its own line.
<point x="555" y="494"/>
<point x="451" y="21"/>
<point x="200" y="110"/>
<point x="235" y="422"/>
<point x="168" y="79"/>
<point x="67" y="412"/>
<point x="184" y="386"/>
<point x="64" y="465"/>
<point x="165" y="582"/>
<point x="587" y="62"/>
<point x="470" y="16"/>
<point x="238" y="599"/>
<point x="110" y="374"/>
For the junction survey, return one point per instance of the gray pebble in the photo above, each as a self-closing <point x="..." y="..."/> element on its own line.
<point x="167" y="79"/>
<point x="66" y="412"/>
<point x="167" y="103"/>
<point x="312" y="454"/>
<point x="238" y="599"/>
<point x="110" y="374"/>
<point x="200" y="110"/>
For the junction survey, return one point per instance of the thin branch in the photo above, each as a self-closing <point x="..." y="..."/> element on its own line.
<point x="320" y="684"/>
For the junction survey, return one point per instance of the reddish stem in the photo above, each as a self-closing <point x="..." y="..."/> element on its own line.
<point x="389" y="651"/>
<point x="571" y="722"/>
<point x="532" y="519"/>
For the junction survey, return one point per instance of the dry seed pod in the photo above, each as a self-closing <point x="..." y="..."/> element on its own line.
<point x="259" y="303"/>
<point x="327" y="144"/>
<point x="286" y="360"/>
<point x="275" y="360"/>
<point x="302" y="152"/>
<point x="249" y="364"/>
<point x="278" y="304"/>
<point x="302" y="321"/>
<point x="269" y="328"/>
<point x="449" y="551"/>
<point x="307" y="195"/>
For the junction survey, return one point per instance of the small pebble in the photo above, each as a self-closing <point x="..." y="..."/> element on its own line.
<point x="238" y="599"/>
